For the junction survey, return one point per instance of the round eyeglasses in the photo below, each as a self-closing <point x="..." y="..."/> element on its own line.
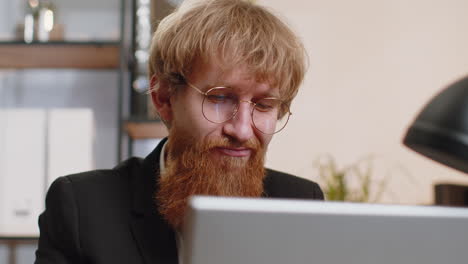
<point x="221" y="104"/>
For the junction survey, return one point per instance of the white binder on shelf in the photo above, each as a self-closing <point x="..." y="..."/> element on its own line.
<point x="36" y="147"/>
<point x="70" y="142"/>
<point x="22" y="170"/>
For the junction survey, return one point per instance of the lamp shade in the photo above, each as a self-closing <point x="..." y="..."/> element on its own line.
<point x="440" y="131"/>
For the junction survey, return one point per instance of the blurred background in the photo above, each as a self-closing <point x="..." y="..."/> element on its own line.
<point x="73" y="76"/>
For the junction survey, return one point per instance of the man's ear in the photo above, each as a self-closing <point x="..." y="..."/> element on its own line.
<point x="161" y="98"/>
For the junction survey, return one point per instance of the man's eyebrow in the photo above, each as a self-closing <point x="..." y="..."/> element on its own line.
<point x="205" y="88"/>
<point x="271" y="94"/>
<point x="212" y="85"/>
<point x="267" y="94"/>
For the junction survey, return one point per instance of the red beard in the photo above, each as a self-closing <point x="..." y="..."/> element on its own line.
<point x="191" y="170"/>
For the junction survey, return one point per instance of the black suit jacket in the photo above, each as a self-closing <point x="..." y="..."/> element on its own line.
<point x="110" y="216"/>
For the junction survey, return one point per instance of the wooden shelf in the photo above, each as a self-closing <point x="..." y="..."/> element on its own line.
<point x="145" y="129"/>
<point x="12" y="244"/>
<point x="60" y="55"/>
<point x="18" y="238"/>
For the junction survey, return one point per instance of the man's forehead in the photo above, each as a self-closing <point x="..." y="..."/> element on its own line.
<point x="238" y="77"/>
<point x="248" y="85"/>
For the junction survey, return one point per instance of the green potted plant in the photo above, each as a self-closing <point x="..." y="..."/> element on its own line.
<point x="354" y="183"/>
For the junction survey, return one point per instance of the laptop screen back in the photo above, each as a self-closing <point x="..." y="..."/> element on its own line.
<point x="272" y="231"/>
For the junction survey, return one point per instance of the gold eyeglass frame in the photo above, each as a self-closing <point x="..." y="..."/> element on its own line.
<point x="205" y="94"/>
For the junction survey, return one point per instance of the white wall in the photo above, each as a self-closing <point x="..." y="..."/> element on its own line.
<point x="373" y="65"/>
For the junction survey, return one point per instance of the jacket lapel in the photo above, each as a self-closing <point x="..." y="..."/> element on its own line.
<point x="154" y="237"/>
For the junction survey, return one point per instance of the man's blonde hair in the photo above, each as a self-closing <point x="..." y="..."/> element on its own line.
<point x="234" y="33"/>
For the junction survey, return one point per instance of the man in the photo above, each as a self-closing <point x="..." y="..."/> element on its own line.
<point x="223" y="75"/>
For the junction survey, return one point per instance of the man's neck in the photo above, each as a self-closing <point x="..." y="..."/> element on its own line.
<point x="162" y="159"/>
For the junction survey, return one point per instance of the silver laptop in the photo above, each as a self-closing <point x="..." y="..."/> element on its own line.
<point x="271" y="231"/>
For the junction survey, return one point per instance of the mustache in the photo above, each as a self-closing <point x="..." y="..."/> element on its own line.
<point x="224" y="142"/>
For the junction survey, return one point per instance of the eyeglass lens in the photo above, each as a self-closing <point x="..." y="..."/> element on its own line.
<point x="221" y="104"/>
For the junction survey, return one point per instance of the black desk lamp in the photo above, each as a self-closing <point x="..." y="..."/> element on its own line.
<point x="440" y="132"/>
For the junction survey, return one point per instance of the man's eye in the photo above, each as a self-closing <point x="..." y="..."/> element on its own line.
<point x="264" y="107"/>
<point x="217" y="98"/>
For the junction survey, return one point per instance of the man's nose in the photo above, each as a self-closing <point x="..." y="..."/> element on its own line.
<point x="240" y="127"/>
